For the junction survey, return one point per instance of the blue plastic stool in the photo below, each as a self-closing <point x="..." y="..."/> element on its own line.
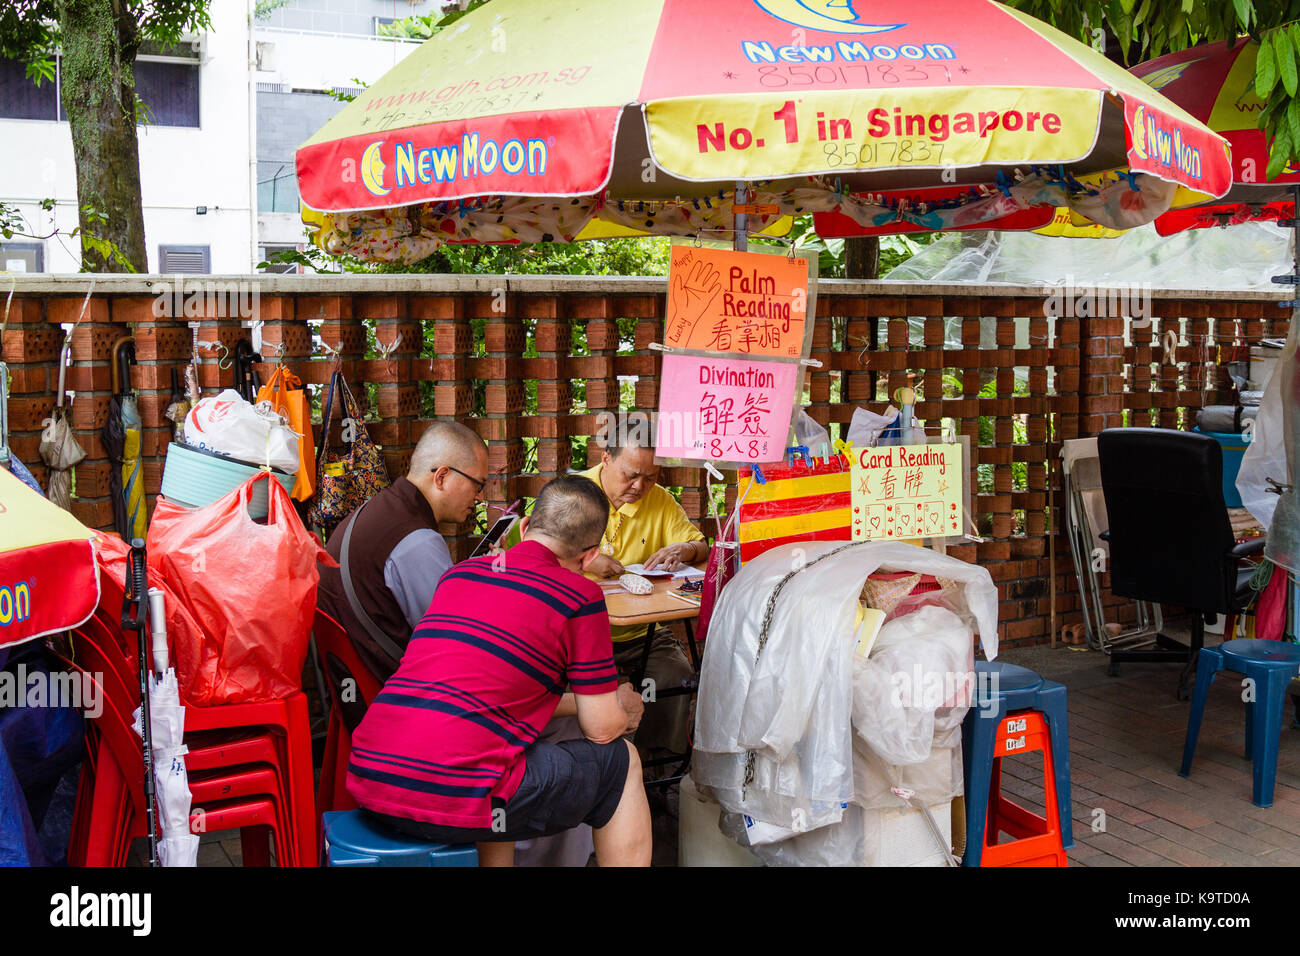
<point x="1002" y="689"/>
<point x="354" y="838"/>
<point x="1270" y="665"/>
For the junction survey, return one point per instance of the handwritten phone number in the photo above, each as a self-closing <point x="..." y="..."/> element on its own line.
<point x="888" y="153"/>
<point x="451" y="109"/>
<point x="720" y="449"/>
<point x="849" y="74"/>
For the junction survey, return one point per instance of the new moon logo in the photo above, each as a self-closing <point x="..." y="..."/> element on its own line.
<point x="830" y="16"/>
<point x="372" y="169"/>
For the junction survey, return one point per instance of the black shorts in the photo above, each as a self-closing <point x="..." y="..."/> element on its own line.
<point x="564" y="784"/>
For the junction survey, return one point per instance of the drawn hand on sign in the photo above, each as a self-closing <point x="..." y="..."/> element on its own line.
<point x="691" y="296"/>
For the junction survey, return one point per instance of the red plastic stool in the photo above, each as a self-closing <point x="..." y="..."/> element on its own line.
<point x="341" y="662"/>
<point x="1037" y="838"/>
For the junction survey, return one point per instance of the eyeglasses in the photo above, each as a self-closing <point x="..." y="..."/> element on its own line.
<point x="478" y="485"/>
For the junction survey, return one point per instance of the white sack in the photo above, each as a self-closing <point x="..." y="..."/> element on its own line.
<point x="791" y="708"/>
<point x="916" y="683"/>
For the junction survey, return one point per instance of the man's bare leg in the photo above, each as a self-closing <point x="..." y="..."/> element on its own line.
<point x="496" y="854"/>
<point x="625" y="840"/>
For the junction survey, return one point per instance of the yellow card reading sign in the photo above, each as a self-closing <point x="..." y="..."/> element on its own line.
<point x="727" y="301"/>
<point x="903" y="492"/>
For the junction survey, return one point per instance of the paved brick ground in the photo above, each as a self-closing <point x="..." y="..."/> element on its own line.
<point x="1130" y="806"/>
<point x="1126" y="742"/>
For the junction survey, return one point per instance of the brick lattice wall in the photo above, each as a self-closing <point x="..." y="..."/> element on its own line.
<point x="529" y="362"/>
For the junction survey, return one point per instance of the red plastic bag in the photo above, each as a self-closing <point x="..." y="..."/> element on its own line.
<point x="251" y="587"/>
<point x="112" y="553"/>
<point x="1270" y="612"/>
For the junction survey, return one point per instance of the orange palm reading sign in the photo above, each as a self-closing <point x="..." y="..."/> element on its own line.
<point x="725" y="301"/>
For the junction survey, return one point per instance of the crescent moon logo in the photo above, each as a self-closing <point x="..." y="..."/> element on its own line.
<point x="829" y="16"/>
<point x="372" y="170"/>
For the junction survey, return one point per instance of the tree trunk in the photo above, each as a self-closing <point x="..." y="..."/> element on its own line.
<point x="99" y="40"/>
<point x="862" y="258"/>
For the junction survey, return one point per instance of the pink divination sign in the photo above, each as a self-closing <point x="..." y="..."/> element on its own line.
<point x="723" y="409"/>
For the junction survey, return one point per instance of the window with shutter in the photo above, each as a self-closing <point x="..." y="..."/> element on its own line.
<point x="184" y="259"/>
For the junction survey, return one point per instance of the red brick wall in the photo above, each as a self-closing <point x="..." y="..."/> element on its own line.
<point x="475" y="348"/>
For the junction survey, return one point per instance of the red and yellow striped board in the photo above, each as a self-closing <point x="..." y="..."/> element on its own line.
<point x="797" y="502"/>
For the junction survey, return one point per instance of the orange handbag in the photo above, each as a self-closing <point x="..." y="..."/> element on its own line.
<point x="287" y="397"/>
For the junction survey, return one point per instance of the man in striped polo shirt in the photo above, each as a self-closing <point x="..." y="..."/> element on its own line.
<point x="448" y="750"/>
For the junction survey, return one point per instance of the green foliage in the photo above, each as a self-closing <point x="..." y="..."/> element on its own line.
<point x="29" y="29"/>
<point x="1145" y="29"/>
<point x="264" y="8"/>
<point x="347" y="97"/>
<point x="13" y="223"/>
<point x="418" y="27"/>
<point x="647" y="256"/>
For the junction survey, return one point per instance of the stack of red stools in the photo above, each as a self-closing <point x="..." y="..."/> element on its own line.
<point x="249" y="765"/>
<point x="341" y="664"/>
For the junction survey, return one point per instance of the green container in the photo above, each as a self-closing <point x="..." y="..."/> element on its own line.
<point x="194" y="478"/>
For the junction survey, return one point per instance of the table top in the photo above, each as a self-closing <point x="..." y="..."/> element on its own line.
<point x="659" y="605"/>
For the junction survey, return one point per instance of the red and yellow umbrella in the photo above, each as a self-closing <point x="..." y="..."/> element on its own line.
<point x="527" y="121"/>
<point x="48" y="576"/>
<point x="1217" y="86"/>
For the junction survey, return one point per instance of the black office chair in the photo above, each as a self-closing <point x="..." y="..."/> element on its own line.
<point x="1170" y="538"/>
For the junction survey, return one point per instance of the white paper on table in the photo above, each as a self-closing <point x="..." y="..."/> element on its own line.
<point x="660" y="573"/>
<point x="640" y="569"/>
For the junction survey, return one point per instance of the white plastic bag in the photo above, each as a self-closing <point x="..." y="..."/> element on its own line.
<point x="1265" y="456"/>
<point x="865" y="428"/>
<point x="811" y="435"/>
<point x="255" y="434"/>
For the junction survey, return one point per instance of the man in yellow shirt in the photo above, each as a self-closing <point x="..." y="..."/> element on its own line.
<point x="646" y="526"/>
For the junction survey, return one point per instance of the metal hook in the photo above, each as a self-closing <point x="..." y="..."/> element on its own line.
<point x="866" y="346"/>
<point x="224" y="361"/>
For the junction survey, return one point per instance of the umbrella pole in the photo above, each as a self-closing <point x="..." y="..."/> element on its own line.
<point x="135" y="614"/>
<point x="740" y="240"/>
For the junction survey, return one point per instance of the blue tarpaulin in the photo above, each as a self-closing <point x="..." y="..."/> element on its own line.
<point x="39" y="746"/>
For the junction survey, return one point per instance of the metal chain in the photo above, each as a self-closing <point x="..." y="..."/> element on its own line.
<point x="762" y="639"/>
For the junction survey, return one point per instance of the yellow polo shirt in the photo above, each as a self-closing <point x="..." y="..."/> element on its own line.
<point x="639" y="529"/>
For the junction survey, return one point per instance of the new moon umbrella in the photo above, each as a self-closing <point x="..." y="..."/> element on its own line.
<point x="527" y="122"/>
<point x="1216" y="84"/>
<point x="49" y="581"/>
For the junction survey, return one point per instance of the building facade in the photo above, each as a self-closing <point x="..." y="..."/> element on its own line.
<point x="226" y="111"/>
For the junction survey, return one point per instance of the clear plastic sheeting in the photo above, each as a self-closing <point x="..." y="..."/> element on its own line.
<point x="774" y="735"/>
<point x="1244" y="257"/>
<point x="1265" y="456"/>
<point x="1283" y="547"/>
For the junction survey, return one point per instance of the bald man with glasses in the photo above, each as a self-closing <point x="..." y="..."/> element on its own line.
<point x="395" y="555"/>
